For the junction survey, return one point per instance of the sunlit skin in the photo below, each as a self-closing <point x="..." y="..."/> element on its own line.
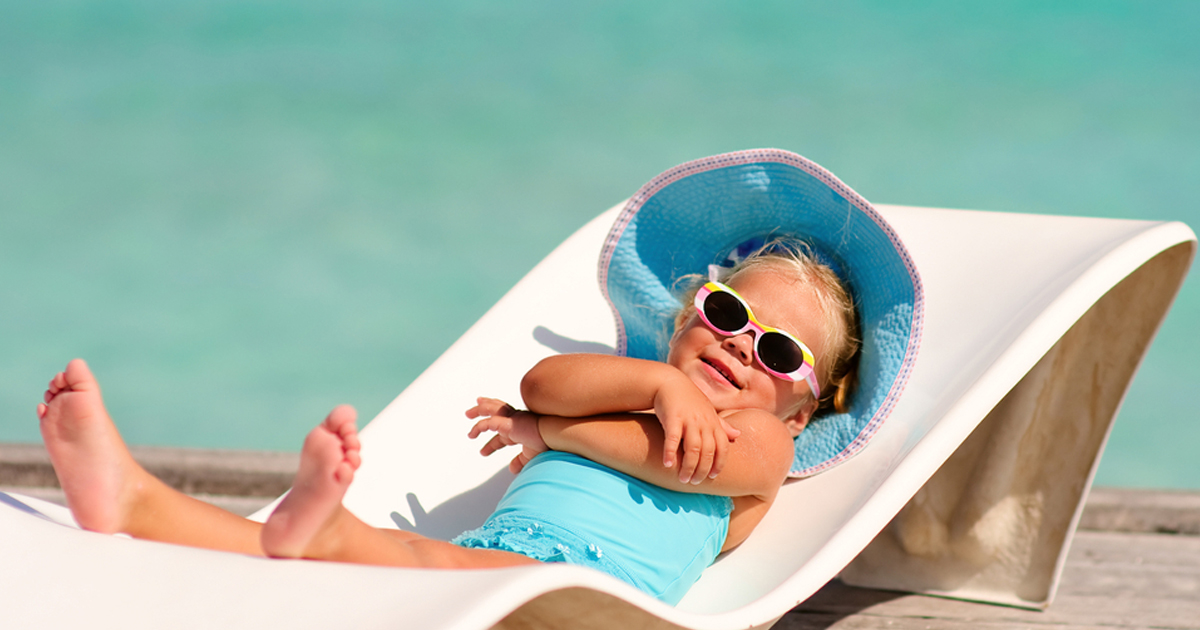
<point x="710" y="391"/>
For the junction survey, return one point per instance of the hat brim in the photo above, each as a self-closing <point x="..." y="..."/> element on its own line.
<point x="695" y="214"/>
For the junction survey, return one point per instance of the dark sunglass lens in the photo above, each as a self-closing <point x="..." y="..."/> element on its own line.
<point x="725" y="311"/>
<point x="780" y="353"/>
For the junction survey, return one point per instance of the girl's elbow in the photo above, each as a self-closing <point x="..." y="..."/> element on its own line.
<point x="778" y="450"/>
<point x="533" y="384"/>
<point x="767" y="450"/>
<point x="530" y="386"/>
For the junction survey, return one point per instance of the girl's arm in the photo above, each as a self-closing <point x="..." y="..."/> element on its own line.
<point x="580" y="385"/>
<point x="756" y="465"/>
<point x="629" y="442"/>
<point x="584" y="385"/>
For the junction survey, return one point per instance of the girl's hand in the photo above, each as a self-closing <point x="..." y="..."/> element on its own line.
<point x="691" y="425"/>
<point x="512" y="426"/>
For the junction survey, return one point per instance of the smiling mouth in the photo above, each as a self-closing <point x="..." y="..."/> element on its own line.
<point x="722" y="371"/>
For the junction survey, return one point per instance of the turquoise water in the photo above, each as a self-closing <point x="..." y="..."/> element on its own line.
<point x="243" y="213"/>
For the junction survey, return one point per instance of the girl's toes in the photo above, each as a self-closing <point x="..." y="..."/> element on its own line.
<point x="344" y="473"/>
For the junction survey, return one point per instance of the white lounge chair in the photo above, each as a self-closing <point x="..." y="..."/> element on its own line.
<point x="1033" y="328"/>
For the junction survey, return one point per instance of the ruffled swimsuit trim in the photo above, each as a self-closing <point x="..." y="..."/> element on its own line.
<point x="541" y="539"/>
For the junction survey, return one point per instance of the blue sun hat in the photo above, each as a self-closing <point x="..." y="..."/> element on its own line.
<point x="710" y="212"/>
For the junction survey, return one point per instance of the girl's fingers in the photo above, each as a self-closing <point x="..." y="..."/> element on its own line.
<point x="730" y="431"/>
<point x="692" y="446"/>
<point x="720" y="449"/>
<point x="672" y="435"/>
<point x="707" y="456"/>
<point x="496" y="443"/>
<point x="487" y="424"/>
<point x="489" y="407"/>
<point x="518" y="463"/>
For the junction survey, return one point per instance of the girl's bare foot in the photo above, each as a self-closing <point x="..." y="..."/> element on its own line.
<point x="96" y="471"/>
<point x="300" y="526"/>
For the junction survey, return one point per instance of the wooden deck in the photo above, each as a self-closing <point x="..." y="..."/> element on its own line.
<point x="1135" y="563"/>
<point x="1112" y="580"/>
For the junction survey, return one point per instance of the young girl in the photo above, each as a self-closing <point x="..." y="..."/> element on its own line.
<point x="650" y="498"/>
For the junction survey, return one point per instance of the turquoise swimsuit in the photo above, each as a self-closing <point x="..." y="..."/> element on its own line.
<point x="565" y="508"/>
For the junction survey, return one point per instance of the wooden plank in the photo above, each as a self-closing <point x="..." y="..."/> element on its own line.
<point x="869" y="622"/>
<point x="1136" y="510"/>
<point x="1117" y="565"/>
<point x="1111" y="580"/>
<point x="194" y="471"/>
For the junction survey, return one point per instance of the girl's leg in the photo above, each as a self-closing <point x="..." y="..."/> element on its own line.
<point x="311" y="522"/>
<point x="107" y="491"/>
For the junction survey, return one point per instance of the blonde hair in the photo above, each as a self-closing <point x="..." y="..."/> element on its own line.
<point x="837" y="371"/>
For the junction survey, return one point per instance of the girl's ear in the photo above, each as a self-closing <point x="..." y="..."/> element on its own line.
<point x="796" y="423"/>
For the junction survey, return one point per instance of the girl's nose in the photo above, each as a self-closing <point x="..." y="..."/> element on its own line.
<point x="741" y="346"/>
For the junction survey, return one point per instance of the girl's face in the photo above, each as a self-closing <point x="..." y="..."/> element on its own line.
<point x="724" y="368"/>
